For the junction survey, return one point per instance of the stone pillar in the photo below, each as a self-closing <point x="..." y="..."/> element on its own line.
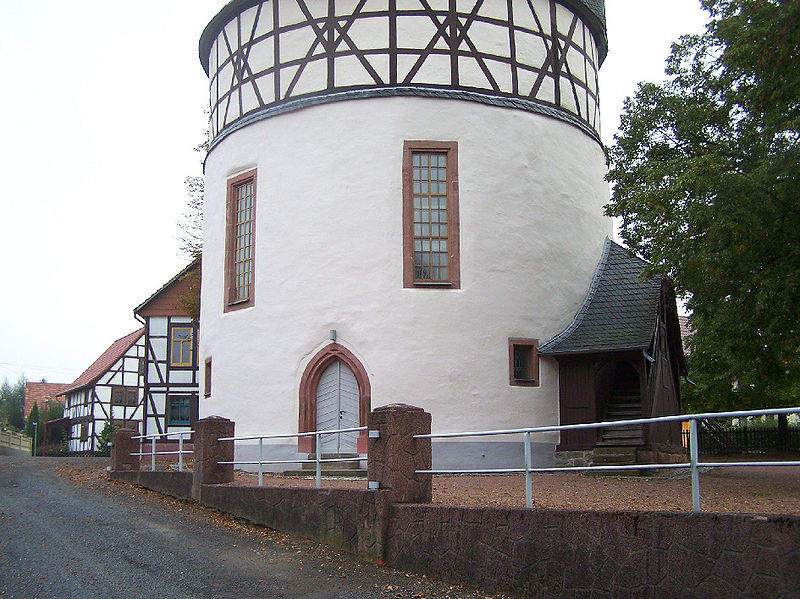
<point x="122" y="446"/>
<point x="208" y="451"/>
<point x="393" y="458"/>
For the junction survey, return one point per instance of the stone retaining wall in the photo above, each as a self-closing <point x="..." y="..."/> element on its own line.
<point x="343" y="519"/>
<point x="174" y="484"/>
<point x="559" y="553"/>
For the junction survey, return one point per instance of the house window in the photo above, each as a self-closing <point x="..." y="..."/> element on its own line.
<point x="431" y="255"/>
<point x="181" y="347"/>
<point x="207" y="379"/>
<point x="523" y="362"/>
<point x="124" y="396"/>
<point x="179" y="412"/>
<point x="84" y="431"/>
<point x="240" y="242"/>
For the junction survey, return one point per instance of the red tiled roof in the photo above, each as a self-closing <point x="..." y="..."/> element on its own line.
<point x="37" y="392"/>
<point x="115" y="351"/>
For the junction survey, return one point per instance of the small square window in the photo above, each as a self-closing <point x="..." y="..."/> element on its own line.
<point x="523" y="362"/>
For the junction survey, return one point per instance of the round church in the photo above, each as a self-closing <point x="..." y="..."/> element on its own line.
<point x="403" y="200"/>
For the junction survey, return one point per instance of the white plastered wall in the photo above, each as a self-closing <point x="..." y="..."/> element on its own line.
<point x="329" y="256"/>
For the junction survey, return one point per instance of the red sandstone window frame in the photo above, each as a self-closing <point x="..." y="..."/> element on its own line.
<point x="450" y="150"/>
<point x="234" y="183"/>
<point x="530" y="347"/>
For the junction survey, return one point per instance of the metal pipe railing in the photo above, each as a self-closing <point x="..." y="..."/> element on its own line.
<point x="153" y="453"/>
<point x="694" y="463"/>
<point x="317" y="461"/>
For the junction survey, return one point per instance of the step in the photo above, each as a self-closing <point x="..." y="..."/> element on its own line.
<point x="614" y="456"/>
<point x="349" y="473"/>
<point x="622" y="434"/>
<point x="624" y="407"/>
<point x="326" y="466"/>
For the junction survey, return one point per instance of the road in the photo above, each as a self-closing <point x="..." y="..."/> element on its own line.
<point x="62" y="540"/>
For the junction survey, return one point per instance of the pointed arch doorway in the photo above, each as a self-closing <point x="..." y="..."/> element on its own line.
<point x="334" y="394"/>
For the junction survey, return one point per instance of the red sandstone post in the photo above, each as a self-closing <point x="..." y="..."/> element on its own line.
<point x="396" y="454"/>
<point x="122" y="446"/>
<point x="209" y="451"/>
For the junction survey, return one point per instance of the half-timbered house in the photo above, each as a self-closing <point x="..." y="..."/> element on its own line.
<point x="110" y="390"/>
<point x="401" y="199"/>
<point x="170" y="341"/>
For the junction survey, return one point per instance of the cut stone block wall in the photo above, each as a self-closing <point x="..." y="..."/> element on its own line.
<point x="345" y="519"/>
<point x="555" y="553"/>
<point x="175" y="484"/>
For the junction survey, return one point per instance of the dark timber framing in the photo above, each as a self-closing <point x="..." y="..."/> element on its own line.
<point x="245" y="89"/>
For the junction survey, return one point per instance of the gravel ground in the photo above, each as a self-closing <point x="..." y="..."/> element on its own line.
<point x="753" y="490"/>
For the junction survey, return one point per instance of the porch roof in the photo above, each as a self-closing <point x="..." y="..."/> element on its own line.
<point x="619" y="312"/>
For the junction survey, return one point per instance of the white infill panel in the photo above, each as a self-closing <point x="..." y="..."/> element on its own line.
<point x="337" y="407"/>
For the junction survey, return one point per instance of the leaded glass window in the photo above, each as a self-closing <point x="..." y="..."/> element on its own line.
<point x="431" y="263"/>
<point x="243" y="242"/>
<point x="240" y="242"/>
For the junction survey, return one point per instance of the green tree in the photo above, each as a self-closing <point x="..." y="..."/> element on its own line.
<point x="191" y="223"/>
<point x="706" y="177"/>
<point x="106" y="435"/>
<point x="33" y="417"/>
<point x="12" y="404"/>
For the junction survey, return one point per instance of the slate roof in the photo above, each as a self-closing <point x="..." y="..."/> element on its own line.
<point x="619" y="312"/>
<point x="106" y="360"/>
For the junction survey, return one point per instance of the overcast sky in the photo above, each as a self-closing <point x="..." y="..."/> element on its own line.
<point x="102" y="102"/>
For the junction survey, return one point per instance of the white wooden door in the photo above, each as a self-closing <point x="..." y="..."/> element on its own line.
<point x="337" y="408"/>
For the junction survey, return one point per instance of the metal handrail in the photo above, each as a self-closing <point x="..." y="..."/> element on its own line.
<point x="153" y="453"/>
<point x="694" y="463"/>
<point x="318" y="461"/>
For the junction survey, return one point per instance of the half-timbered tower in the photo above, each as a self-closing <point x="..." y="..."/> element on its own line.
<point x="110" y="390"/>
<point x="402" y="197"/>
<point x="170" y="340"/>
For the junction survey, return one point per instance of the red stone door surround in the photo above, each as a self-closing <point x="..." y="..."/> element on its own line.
<point x="308" y="393"/>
